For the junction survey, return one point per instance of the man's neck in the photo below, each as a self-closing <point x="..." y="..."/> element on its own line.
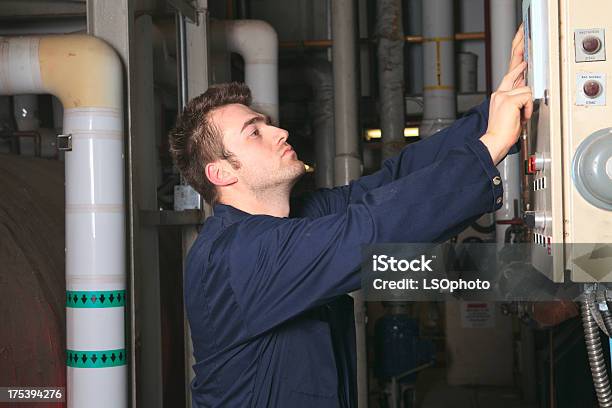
<point x="270" y="202"/>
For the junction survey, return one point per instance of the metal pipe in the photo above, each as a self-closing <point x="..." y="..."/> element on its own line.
<point x="181" y="60"/>
<point x="347" y="163"/>
<point x="346" y="96"/>
<point x="595" y="353"/>
<point x="413" y="23"/>
<point x="389" y="27"/>
<point x="86" y="75"/>
<point x="503" y="18"/>
<point x="319" y="75"/>
<point x="439" y="96"/>
<point x="415" y="39"/>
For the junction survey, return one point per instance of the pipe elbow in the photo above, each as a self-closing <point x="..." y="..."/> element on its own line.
<point x="81" y="70"/>
<point x="255" y="40"/>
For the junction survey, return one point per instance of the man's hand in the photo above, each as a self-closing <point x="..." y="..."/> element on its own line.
<point x="517" y="55"/>
<point x="511" y="105"/>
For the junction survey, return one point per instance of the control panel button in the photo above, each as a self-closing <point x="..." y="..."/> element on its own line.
<point x="535" y="163"/>
<point x="592" y="89"/>
<point x="591" y="44"/>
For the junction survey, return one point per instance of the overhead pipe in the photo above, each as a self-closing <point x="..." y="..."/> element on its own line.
<point x="414" y="39"/>
<point x="503" y="18"/>
<point x="319" y="76"/>
<point x="347" y="163"/>
<point x="389" y="27"/>
<point x="256" y="41"/>
<point x="439" y="95"/>
<point x="86" y="75"/>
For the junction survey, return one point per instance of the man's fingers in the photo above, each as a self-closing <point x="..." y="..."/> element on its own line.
<point x="528" y="109"/>
<point x="518" y="48"/>
<point x="519" y="91"/>
<point x="515" y="74"/>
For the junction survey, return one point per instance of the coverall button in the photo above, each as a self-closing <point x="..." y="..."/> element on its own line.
<point x="499" y="200"/>
<point x="497" y="180"/>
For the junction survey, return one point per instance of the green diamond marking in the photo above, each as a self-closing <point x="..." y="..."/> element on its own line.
<point x="95" y="358"/>
<point x="95" y="299"/>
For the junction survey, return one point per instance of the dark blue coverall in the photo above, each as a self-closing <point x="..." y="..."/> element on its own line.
<point x="265" y="296"/>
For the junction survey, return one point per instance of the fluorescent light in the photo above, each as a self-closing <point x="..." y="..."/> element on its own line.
<point x="377" y="133"/>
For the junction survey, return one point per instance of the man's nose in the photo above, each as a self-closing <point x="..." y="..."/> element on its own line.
<point x="281" y="135"/>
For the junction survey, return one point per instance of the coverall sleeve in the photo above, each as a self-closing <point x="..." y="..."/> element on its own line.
<point x="280" y="267"/>
<point x="413" y="157"/>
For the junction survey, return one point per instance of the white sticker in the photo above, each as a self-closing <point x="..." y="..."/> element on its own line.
<point x="590" y="45"/>
<point x="477" y="315"/>
<point x="590" y="89"/>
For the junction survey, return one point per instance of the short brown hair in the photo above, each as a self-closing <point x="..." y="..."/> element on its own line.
<point x="196" y="141"/>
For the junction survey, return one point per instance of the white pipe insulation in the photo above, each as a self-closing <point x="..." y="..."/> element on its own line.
<point x="86" y="75"/>
<point x="439" y="95"/>
<point x="503" y="19"/>
<point x="256" y="41"/>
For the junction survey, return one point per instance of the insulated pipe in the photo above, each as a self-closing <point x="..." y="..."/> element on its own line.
<point x="256" y="41"/>
<point x="503" y="19"/>
<point x="85" y="74"/>
<point x="389" y="27"/>
<point x="413" y="18"/>
<point x="439" y="98"/>
<point x="347" y="164"/>
<point x="319" y="75"/>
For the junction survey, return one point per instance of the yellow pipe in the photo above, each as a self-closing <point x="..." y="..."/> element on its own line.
<point x="69" y="63"/>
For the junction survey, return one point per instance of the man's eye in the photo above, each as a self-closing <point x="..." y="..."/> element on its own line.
<point x="255" y="132"/>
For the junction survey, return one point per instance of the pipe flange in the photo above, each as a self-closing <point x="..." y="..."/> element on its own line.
<point x="592" y="169"/>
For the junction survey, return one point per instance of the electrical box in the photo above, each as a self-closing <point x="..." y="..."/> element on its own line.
<point x="567" y="146"/>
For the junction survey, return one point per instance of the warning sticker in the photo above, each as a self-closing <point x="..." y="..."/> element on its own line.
<point x="477" y="315"/>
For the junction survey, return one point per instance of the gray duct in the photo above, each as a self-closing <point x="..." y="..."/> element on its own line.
<point x="319" y="76"/>
<point x="389" y="26"/>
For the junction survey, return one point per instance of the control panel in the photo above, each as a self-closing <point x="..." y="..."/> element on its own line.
<point x="567" y="146"/>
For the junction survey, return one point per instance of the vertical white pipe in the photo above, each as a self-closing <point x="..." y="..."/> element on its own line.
<point x="256" y="41"/>
<point x="439" y="99"/>
<point x="347" y="164"/>
<point x="503" y="21"/>
<point x="85" y="74"/>
<point x="95" y="257"/>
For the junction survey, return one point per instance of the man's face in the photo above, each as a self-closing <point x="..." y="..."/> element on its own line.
<point x="266" y="159"/>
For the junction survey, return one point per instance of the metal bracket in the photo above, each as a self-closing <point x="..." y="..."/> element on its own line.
<point x="64" y="142"/>
<point x="186" y="217"/>
<point x="185" y="8"/>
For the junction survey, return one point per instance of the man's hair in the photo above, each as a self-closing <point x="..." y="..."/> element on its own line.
<point x="197" y="141"/>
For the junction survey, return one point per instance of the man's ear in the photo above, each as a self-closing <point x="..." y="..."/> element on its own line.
<point x="218" y="174"/>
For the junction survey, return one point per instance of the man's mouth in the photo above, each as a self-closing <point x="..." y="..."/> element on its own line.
<point x="288" y="150"/>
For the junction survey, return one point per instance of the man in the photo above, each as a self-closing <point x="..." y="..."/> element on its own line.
<point x="263" y="291"/>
